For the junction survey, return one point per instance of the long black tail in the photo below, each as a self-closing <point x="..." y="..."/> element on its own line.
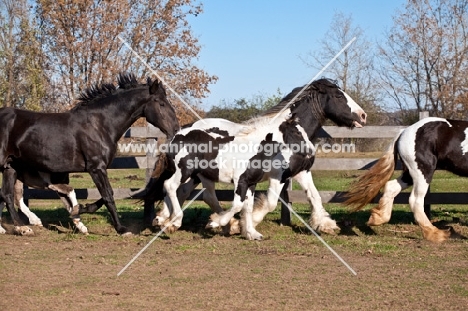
<point x="164" y="168"/>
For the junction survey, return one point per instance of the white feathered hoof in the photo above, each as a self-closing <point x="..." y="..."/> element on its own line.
<point x="169" y="229"/>
<point x="232" y="228"/>
<point x="2" y="231"/>
<point x="254" y="236"/>
<point x="23" y="230"/>
<point x="214" y="221"/>
<point x="35" y="221"/>
<point x="327" y="226"/>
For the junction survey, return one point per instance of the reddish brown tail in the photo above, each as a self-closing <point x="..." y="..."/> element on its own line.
<point x="367" y="186"/>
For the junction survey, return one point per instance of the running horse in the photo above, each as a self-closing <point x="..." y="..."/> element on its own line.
<point x="427" y="145"/>
<point x="83" y="139"/>
<point x="312" y="105"/>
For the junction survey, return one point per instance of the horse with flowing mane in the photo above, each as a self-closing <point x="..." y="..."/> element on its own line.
<point x="51" y="145"/>
<point x="427" y="145"/>
<point x="320" y="100"/>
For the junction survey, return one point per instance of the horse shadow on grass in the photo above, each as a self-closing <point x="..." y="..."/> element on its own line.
<point x="355" y="223"/>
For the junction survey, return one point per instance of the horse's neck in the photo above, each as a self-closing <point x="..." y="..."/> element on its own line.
<point x="311" y="122"/>
<point x="311" y="127"/>
<point x="114" y="120"/>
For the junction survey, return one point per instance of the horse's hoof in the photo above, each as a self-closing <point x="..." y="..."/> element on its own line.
<point x="121" y="230"/>
<point x="328" y="231"/>
<point x="170" y="229"/>
<point x="435" y="235"/>
<point x="126" y="234"/>
<point x="23" y="230"/>
<point x="2" y="231"/>
<point x="234" y="227"/>
<point x="211" y="225"/>
<point x="256" y="236"/>
<point x="158" y="221"/>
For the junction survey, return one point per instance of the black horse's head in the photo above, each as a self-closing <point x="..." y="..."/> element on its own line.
<point x="159" y="112"/>
<point x="339" y="106"/>
<point x="323" y="99"/>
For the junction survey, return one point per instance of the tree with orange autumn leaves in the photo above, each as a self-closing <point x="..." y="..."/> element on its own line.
<point x="80" y="39"/>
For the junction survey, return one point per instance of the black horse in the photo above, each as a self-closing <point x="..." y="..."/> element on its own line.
<point x="83" y="139"/>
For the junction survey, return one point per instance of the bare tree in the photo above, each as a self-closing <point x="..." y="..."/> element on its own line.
<point x="425" y="58"/>
<point x="22" y="78"/>
<point x="9" y="27"/>
<point x="354" y="69"/>
<point x="81" y="39"/>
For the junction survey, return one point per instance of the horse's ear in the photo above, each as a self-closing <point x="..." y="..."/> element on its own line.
<point x="155" y="86"/>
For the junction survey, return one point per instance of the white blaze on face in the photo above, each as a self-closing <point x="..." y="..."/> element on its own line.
<point x="464" y="144"/>
<point x="355" y="108"/>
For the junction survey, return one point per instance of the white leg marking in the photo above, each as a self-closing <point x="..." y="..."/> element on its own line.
<point x="79" y="225"/>
<point x="249" y="231"/>
<point x="319" y="218"/>
<point x="33" y="219"/>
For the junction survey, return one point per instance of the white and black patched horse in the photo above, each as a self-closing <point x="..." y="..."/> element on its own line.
<point x="321" y="100"/>
<point x="81" y="140"/>
<point x="427" y="145"/>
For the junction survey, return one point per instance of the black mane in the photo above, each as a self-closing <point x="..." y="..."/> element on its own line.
<point x="307" y="92"/>
<point x="124" y="81"/>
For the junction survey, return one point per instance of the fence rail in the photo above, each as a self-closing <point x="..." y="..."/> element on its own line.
<point x="294" y="196"/>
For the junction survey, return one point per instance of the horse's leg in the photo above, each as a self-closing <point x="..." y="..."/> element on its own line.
<point x="68" y="196"/>
<point x="2" y="205"/>
<point x="381" y="214"/>
<point x="99" y="176"/>
<point x="90" y="208"/>
<point x="416" y="202"/>
<point x="8" y="194"/>
<point x="167" y="210"/>
<point x="223" y="218"/>
<point x="320" y="220"/>
<point x="19" y="202"/>
<point x="248" y="229"/>
<point x="209" y="197"/>
<point x="170" y="216"/>
<point x="163" y="216"/>
<point x="266" y="204"/>
<point x="171" y="201"/>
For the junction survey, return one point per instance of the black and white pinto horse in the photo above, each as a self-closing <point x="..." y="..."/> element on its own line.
<point x="321" y="100"/>
<point x="51" y="145"/>
<point x="427" y="145"/>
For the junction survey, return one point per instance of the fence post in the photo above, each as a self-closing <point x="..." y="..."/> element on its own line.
<point x="285" y="213"/>
<point x="427" y="206"/>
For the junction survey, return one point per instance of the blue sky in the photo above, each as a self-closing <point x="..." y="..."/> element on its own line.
<point x="254" y="46"/>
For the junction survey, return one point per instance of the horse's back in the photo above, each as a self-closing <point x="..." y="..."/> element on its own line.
<point x="436" y="143"/>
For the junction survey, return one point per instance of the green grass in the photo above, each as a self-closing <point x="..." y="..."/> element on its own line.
<point x="196" y="216"/>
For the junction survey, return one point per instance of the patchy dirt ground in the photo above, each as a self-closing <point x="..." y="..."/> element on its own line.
<point x="196" y="270"/>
